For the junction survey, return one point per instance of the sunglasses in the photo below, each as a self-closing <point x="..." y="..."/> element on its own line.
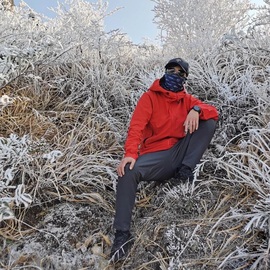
<point x="173" y="70"/>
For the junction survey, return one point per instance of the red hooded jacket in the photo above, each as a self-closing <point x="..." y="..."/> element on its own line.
<point x="158" y="120"/>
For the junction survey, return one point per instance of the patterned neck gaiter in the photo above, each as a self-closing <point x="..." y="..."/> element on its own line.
<point x="173" y="82"/>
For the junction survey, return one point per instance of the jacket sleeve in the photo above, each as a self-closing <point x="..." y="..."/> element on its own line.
<point x="139" y="120"/>
<point x="207" y="111"/>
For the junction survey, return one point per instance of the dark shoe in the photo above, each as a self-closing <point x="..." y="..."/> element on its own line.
<point x="185" y="173"/>
<point x="123" y="241"/>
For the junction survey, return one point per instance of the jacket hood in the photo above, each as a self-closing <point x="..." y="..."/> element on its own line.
<point x="155" y="87"/>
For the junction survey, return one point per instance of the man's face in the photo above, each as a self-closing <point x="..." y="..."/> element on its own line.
<point x="176" y="70"/>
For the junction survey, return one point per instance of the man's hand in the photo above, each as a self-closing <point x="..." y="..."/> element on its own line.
<point x="124" y="161"/>
<point x="192" y="122"/>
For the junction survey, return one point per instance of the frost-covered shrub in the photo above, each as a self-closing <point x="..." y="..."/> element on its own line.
<point x="74" y="60"/>
<point x="248" y="163"/>
<point x="236" y="80"/>
<point x="192" y="27"/>
<point x="14" y="153"/>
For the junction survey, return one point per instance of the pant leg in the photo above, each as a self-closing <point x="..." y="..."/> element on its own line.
<point x="190" y="151"/>
<point x="149" y="167"/>
<point x="125" y="198"/>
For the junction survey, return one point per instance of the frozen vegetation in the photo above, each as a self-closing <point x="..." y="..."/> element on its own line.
<point x="67" y="91"/>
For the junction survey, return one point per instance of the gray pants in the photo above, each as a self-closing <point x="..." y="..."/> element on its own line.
<point x="159" y="166"/>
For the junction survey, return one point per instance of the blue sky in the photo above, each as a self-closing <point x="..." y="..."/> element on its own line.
<point x="135" y="18"/>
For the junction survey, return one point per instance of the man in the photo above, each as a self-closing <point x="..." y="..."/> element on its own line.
<point x="168" y="134"/>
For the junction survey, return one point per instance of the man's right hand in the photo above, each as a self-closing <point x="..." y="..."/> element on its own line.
<point x="124" y="161"/>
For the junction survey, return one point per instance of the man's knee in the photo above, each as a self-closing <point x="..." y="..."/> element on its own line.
<point x="130" y="174"/>
<point x="208" y="125"/>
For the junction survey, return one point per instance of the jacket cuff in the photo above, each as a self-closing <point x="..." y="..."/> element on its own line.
<point x="135" y="156"/>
